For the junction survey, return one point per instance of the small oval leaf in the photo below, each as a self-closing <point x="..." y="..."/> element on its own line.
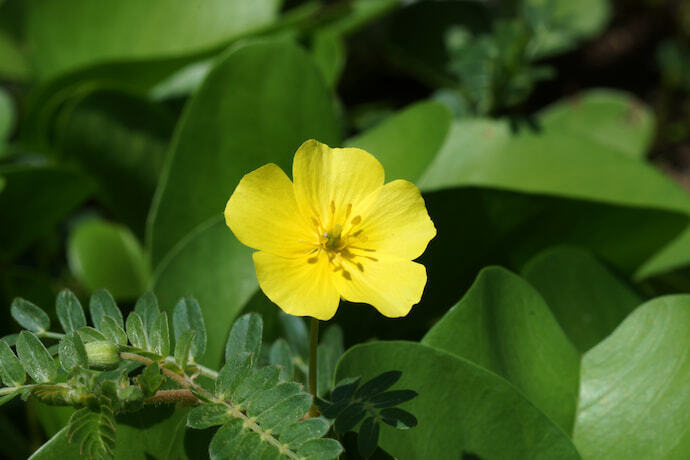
<point x="29" y="316"/>
<point x="35" y="358"/>
<point x="69" y="311"/>
<point x="11" y="370"/>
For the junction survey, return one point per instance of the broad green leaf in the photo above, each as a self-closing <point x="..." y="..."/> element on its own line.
<point x="6" y="112"/>
<point x="29" y="316"/>
<point x="605" y="116"/>
<point x="587" y="298"/>
<point x="408" y="141"/>
<point x="223" y="290"/>
<point x="671" y="257"/>
<point x="560" y="24"/>
<point x="11" y="370"/>
<point x="503" y="325"/>
<point x="69" y="311"/>
<point x="135" y="331"/>
<point x="112" y="331"/>
<point x="208" y="415"/>
<point x="482" y="152"/>
<point x="245" y="336"/>
<point x="35" y="358"/>
<point x="34" y="200"/>
<point x="187" y="315"/>
<point x="281" y="355"/>
<point x="159" y="335"/>
<point x="13" y="65"/>
<point x="181" y="28"/>
<point x="118" y="139"/>
<point x="72" y="352"/>
<point x="235" y="370"/>
<point x="102" y="304"/>
<point x="482" y="413"/>
<point x="633" y="392"/>
<point x="328" y="52"/>
<point x="183" y="346"/>
<point x="105" y="255"/>
<point x="153" y="432"/>
<point x="147" y="308"/>
<point x="258" y="122"/>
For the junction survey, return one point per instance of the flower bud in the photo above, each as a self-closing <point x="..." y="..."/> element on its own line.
<point x="102" y="355"/>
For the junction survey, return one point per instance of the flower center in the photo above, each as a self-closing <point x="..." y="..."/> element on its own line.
<point x="339" y="241"/>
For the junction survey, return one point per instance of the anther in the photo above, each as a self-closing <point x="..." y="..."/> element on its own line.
<point x="332" y="207"/>
<point x="356" y="220"/>
<point x="312" y="260"/>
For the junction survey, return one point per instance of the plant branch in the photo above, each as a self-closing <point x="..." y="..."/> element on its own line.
<point x="189" y="385"/>
<point x="172" y="396"/>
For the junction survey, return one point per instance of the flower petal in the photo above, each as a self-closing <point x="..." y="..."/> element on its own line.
<point x="391" y="285"/>
<point x="328" y="180"/>
<point x="397" y="223"/>
<point x="299" y="286"/>
<point x="262" y="213"/>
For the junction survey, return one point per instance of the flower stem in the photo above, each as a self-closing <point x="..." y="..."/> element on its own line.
<point x="313" y="344"/>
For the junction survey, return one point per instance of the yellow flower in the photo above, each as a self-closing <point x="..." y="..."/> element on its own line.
<point x="338" y="231"/>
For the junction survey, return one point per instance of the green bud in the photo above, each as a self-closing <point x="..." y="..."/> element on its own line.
<point x="102" y="355"/>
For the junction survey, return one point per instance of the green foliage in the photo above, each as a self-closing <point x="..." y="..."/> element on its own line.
<point x="372" y="401"/>
<point x="503" y="325"/>
<point x="255" y="408"/>
<point x="93" y="431"/>
<point x="29" y="316"/>
<point x="105" y="255"/>
<point x="11" y="370"/>
<point x="632" y="383"/>
<point x="187" y="316"/>
<point x="101" y="376"/>
<point x="35" y="358"/>
<point x="69" y="311"/>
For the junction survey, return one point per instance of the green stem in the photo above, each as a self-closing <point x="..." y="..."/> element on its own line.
<point x="50" y="335"/>
<point x="313" y="344"/>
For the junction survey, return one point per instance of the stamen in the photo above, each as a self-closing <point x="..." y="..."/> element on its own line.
<point x="348" y="211"/>
<point x="332" y="207"/>
<point x="312" y="260"/>
<point x="315" y="221"/>
<point x="357" y="220"/>
<point x="346" y="275"/>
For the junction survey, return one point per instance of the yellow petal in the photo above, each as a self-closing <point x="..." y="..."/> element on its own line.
<point x="299" y="286"/>
<point x="328" y="180"/>
<point x="391" y="285"/>
<point x="262" y="213"/>
<point x="397" y="223"/>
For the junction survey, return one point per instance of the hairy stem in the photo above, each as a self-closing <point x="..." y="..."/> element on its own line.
<point x="171" y="397"/>
<point x="188" y="384"/>
<point x="313" y="345"/>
